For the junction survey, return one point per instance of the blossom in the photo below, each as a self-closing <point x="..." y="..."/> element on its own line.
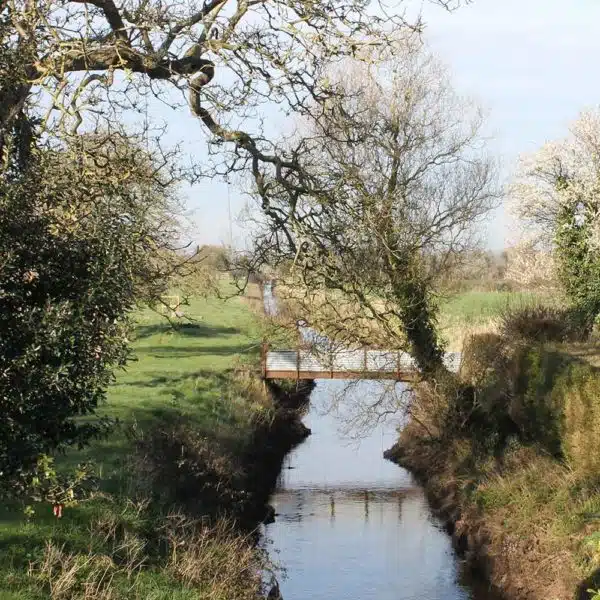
<point x="562" y="175"/>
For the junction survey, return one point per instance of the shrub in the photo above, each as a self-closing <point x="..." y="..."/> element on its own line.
<point x="535" y="405"/>
<point x="542" y="323"/>
<point x="485" y="359"/>
<point x="79" y="245"/>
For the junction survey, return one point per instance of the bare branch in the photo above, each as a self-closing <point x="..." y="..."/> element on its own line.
<point x="113" y="17"/>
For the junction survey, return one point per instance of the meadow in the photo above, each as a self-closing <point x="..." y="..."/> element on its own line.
<point x="190" y="372"/>
<point x="472" y="312"/>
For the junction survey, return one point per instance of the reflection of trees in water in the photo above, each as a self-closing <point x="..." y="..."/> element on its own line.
<point x="360" y="406"/>
<point x="400" y="502"/>
<point x="297" y="505"/>
<point x="332" y="507"/>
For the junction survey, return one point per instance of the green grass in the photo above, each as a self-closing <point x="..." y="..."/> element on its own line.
<point x="181" y="370"/>
<point x="481" y="306"/>
<point x="184" y="371"/>
<point x="476" y="312"/>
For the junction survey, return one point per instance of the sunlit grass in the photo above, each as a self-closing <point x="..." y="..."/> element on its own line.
<point x="187" y="370"/>
<point x="475" y="312"/>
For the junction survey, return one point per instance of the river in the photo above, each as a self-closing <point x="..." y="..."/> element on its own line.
<point x="350" y="525"/>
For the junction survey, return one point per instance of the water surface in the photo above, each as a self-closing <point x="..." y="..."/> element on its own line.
<point x="353" y="526"/>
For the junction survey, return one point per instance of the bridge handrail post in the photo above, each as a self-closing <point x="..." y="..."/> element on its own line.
<point x="331" y="362"/>
<point x="398" y="365"/>
<point x="365" y="360"/>
<point x="298" y="361"/>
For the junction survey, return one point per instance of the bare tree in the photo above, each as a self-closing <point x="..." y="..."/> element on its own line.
<point x="394" y="183"/>
<point x="94" y="59"/>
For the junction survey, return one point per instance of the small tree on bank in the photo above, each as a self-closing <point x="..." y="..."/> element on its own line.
<point x="395" y="184"/>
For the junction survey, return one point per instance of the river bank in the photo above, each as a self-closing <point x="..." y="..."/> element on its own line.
<point x="351" y="525"/>
<point x="517" y="488"/>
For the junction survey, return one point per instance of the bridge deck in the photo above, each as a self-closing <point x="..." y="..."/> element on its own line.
<point x="345" y="364"/>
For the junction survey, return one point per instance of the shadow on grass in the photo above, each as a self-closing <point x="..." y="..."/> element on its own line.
<point x="180" y="351"/>
<point x="167" y="380"/>
<point x="184" y="329"/>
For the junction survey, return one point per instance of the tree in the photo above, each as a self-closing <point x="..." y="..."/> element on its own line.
<point x="83" y="67"/>
<point x="90" y="61"/>
<point x="81" y="242"/>
<point x="396" y="185"/>
<point x="530" y="266"/>
<point x="556" y="196"/>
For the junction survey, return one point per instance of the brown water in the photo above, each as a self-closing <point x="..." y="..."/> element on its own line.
<point x="352" y="526"/>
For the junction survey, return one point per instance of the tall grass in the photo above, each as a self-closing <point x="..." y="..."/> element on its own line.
<point x="193" y="561"/>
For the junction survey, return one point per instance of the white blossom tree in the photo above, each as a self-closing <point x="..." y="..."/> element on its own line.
<point x="556" y="197"/>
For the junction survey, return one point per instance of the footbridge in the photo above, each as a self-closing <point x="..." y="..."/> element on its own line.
<point x="344" y="364"/>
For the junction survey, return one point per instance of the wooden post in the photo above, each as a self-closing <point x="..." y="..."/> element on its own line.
<point x="297" y="363"/>
<point x="331" y="363"/>
<point x="365" y="360"/>
<point x="398" y="365"/>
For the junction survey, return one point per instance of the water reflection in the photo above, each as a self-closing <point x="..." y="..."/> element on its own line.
<point x="352" y="526"/>
<point x="296" y="505"/>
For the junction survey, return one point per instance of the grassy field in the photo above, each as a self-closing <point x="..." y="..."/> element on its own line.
<point x="469" y="313"/>
<point x="188" y="372"/>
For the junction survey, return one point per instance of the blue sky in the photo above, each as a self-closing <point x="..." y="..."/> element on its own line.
<point x="531" y="64"/>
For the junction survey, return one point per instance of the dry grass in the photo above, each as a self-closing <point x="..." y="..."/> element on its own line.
<point x="215" y="559"/>
<point x="195" y="562"/>
<point x="532" y="519"/>
<point x="581" y="437"/>
<point x="457" y="333"/>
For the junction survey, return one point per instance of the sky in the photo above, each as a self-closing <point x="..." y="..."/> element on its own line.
<point x="531" y="64"/>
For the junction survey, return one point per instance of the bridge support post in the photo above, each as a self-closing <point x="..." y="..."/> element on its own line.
<point x="264" y="348"/>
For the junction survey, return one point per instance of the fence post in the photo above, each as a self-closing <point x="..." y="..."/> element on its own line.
<point x="398" y="366"/>
<point x="365" y="360"/>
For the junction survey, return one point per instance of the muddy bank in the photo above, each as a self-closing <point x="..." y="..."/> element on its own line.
<point x="270" y="444"/>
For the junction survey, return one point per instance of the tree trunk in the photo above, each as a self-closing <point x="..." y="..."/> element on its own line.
<point x="418" y="320"/>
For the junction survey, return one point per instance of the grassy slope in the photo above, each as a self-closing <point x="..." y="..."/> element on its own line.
<point x="184" y="371"/>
